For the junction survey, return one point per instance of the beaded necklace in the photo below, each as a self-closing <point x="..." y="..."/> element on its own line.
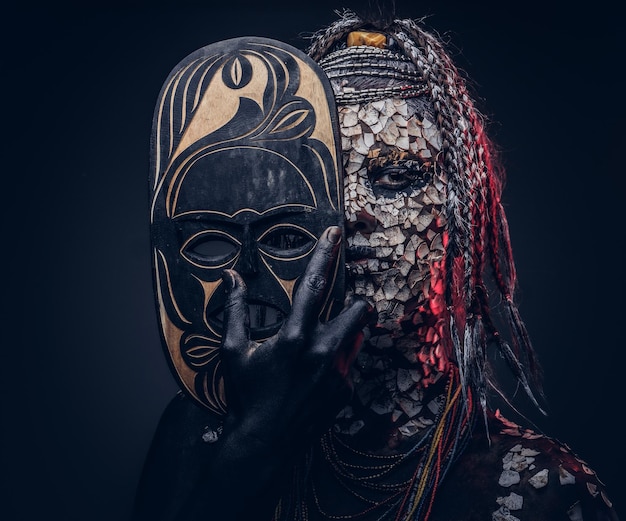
<point x="380" y="484"/>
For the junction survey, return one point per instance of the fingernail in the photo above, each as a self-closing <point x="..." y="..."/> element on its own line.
<point x="334" y="234"/>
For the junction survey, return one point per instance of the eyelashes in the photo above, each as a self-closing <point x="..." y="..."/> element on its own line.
<point x="400" y="176"/>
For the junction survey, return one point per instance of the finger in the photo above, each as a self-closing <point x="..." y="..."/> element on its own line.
<point x="236" y="332"/>
<point x="312" y="289"/>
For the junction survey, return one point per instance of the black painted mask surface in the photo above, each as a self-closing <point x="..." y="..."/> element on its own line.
<point x="245" y="175"/>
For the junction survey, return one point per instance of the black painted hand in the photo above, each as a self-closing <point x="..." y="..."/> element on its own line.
<point x="291" y="386"/>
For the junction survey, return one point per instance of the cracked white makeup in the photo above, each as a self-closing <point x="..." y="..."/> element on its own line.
<point x="394" y="198"/>
<point x="394" y="205"/>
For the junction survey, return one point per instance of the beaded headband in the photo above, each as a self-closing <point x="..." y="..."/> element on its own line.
<point x="366" y="61"/>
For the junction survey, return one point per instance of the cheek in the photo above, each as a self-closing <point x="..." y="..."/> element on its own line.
<point x="408" y="249"/>
<point x="409" y="239"/>
<point x="358" y="195"/>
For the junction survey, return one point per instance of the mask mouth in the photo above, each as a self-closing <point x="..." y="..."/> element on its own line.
<point x="265" y="319"/>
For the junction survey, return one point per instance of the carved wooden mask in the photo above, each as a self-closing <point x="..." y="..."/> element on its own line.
<point x="245" y="174"/>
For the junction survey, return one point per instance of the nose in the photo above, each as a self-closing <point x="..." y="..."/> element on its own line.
<point x="362" y="222"/>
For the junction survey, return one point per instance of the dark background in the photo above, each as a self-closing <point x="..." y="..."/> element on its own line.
<point x="84" y="378"/>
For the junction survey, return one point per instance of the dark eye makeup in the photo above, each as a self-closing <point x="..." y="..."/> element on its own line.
<point x="390" y="179"/>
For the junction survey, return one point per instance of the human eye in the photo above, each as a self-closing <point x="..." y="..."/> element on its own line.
<point x="392" y="178"/>
<point x="210" y="248"/>
<point x="287" y="241"/>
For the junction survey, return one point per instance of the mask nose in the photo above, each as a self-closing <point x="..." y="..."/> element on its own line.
<point x="249" y="258"/>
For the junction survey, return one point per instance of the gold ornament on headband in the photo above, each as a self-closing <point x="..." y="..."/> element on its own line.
<point x="366" y="38"/>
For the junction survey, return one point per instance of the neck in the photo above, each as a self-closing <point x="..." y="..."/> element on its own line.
<point x="350" y="479"/>
<point x="399" y="389"/>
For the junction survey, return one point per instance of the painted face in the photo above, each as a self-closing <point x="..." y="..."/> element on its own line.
<point x="394" y="199"/>
<point x="246" y="177"/>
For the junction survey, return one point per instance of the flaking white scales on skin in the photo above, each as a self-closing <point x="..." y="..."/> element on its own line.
<point x="521" y="459"/>
<point x="408" y="240"/>
<point x="517" y="460"/>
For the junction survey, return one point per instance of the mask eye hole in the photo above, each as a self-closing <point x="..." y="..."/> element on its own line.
<point x="287" y="241"/>
<point x="210" y="248"/>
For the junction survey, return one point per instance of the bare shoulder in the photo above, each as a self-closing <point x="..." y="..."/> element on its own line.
<point x="518" y="475"/>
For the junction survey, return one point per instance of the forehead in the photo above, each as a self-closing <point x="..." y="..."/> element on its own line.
<point x="420" y="107"/>
<point x="389" y="129"/>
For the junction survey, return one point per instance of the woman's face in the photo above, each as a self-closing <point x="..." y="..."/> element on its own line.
<point x="394" y="198"/>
